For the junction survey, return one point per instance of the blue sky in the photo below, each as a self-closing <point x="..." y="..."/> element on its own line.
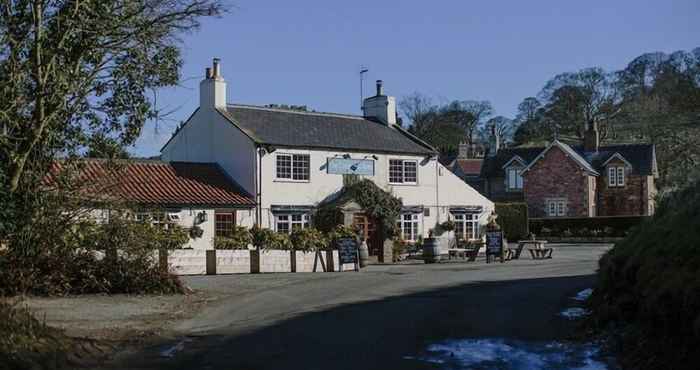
<point x="308" y="52"/>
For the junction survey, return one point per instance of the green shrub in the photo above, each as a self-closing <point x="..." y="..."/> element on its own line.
<point x="612" y="226"/>
<point x="308" y="240"/>
<point x="70" y="265"/>
<point x="649" y="285"/>
<point x="267" y="239"/>
<point x="27" y="343"/>
<point x="239" y="238"/>
<point x="513" y="219"/>
<point x="340" y="232"/>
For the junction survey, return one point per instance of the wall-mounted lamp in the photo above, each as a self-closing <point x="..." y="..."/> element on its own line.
<point x="346" y="156"/>
<point x="201" y="217"/>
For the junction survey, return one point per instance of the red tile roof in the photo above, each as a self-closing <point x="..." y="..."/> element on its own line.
<point x="470" y="166"/>
<point x="148" y="182"/>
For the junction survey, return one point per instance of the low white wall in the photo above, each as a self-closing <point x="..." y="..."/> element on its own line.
<point x="187" y="261"/>
<point x="305" y="262"/>
<point x="275" y="261"/>
<point x="233" y="261"/>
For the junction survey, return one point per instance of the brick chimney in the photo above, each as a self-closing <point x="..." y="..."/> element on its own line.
<point x="591" y="138"/>
<point x="380" y="106"/>
<point x="494" y="142"/>
<point x="212" y="89"/>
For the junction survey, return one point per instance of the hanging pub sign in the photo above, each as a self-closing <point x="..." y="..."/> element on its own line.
<point x="348" y="252"/>
<point x="349" y="166"/>
<point x="494" y="245"/>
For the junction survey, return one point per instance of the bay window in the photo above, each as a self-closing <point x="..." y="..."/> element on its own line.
<point x="466" y="226"/>
<point x="408" y="225"/>
<point x="286" y="223"/>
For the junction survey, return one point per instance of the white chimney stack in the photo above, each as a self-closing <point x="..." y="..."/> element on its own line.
<point x="380" y="106"/>
<point x="212" y="89"/>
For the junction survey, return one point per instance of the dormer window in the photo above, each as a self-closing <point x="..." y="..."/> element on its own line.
<point x="515" y="179"/>
<point x="616" y="176"/>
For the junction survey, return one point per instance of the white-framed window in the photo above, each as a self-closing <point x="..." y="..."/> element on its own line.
<point x="224" y="223"/>
<point x="466" y="226"/>
<point x="616" y="176"/>
<point x="556" y="207"/>
<point x="403" y="171"/>
<point x="515" y="178"/>
<point x="409" y="224"/>
<point x="293" y="167"/>
<point x="286" y="223"/>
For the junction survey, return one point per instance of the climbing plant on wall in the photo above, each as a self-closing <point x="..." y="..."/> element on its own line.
<point x="378" y="204"/>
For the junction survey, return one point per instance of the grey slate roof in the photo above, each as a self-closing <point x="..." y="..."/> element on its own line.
<point x="322" y="130"/>
<point x="642" y="157"/>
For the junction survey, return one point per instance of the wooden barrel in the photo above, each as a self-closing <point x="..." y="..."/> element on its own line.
<point x="431" y="250"/>
<point x="364" y="254"/>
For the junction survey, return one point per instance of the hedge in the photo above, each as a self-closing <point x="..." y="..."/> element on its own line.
<point x="513" y="219"/>
<point x="609" y="226"/>
<point x="648" y="288"/>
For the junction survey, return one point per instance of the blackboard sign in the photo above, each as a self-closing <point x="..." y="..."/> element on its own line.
<point x="494" y="242"/>
<point x="347" y="250"/>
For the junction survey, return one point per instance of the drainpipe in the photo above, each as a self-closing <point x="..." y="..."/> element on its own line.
<point x="437" y="189"/>
<point x="258" y="197"/>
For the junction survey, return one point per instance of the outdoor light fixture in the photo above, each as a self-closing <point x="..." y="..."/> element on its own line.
<point x="346" y="156"/>
<point x="201" y="217"/>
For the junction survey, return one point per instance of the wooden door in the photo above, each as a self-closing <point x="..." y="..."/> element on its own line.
<point x="368" y="232"/>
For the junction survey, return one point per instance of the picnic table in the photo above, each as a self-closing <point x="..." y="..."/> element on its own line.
<point x="465" y="250"/>
<point x="537" y="251"/>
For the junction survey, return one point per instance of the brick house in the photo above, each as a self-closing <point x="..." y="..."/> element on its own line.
<point x="562" y="180"/>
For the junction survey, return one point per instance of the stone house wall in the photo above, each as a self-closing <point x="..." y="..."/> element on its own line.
<point x="629" y="200"/>
<point x="557" y="176"/>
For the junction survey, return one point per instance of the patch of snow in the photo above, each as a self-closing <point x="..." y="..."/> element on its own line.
<point x="171" y="351"/>
<point x="574" y="313"/>
<point x="583" y="295"/>
<point x="498" y="353"/>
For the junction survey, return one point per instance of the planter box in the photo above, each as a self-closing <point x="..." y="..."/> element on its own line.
<point x="304" y="261"/>
<point x="187" y="261"/>
<point x="272" y="261"/>
<point x="233" y="261"/>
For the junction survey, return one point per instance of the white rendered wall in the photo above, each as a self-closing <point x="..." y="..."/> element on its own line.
<point x="437" y="187"/>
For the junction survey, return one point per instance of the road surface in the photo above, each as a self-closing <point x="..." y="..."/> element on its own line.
<point x="373" y="319"/>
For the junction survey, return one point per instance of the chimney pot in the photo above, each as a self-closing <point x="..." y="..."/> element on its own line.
<point x="207" y="73"/>
<point x="380" y="87"/>
<point x="217" y="68"/>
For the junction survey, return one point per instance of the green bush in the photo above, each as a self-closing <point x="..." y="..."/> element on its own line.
<point x="27" y="343"/>
<point x="70" y="265"/>
<point x="513" y="219"/>
<point x="340" y="232"/>
<point x="239" y="238"/>
<point x="649" y="285"/>
<point x="308" y="240"/>
<point x="267" y="239"/>
<point x="613" y="226"/>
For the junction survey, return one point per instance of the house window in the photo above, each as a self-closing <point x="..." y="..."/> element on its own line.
<point x="286" y="223"/>
<point x="515" y="179"/>
<point x="466" y="226"/>
<point x="556" y="207"/>
<point x="224" y="223"/>
<point x="293" y="167"/>
<point x="403" y="171"/>
<point x="408" y="224"/>
<point x="616" y="176"/>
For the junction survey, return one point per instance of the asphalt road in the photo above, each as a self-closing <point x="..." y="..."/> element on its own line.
<point x="372" y="319"/>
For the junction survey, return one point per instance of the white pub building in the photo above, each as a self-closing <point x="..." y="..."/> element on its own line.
<point x="289" y="161"/>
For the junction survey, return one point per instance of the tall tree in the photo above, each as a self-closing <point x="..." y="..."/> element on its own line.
<point x="478" y="112"/>
<point x="574" y="100"/>
<point x="504" y="128"/>
<point x="71" y="69"/>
